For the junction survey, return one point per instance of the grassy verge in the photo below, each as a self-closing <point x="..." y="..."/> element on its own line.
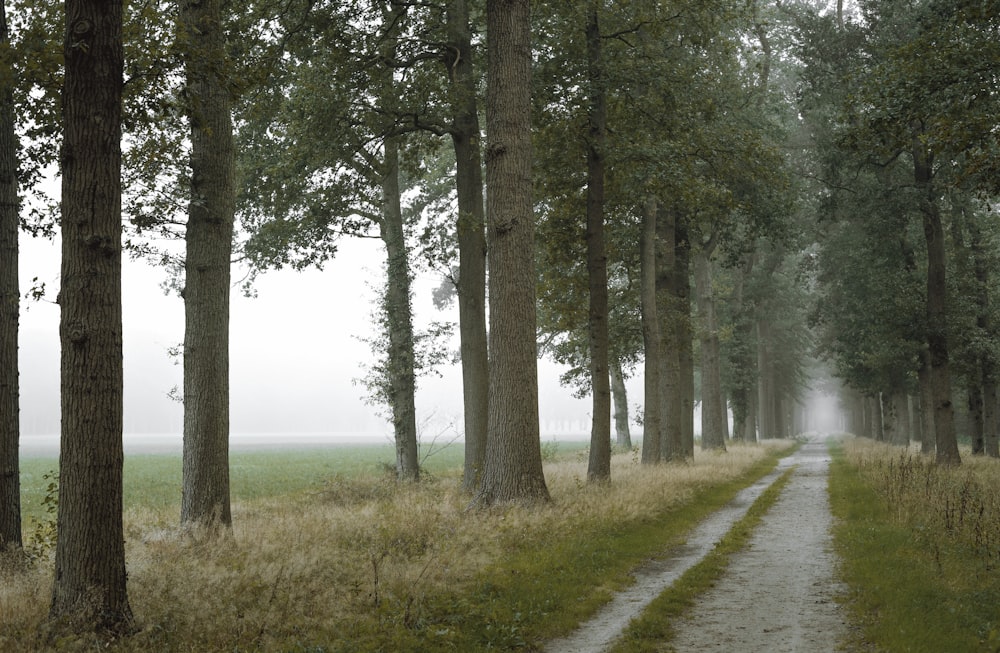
<point x="918" y="545"/>
<point x="359" y="563"/>
<point x="654" y="628"/>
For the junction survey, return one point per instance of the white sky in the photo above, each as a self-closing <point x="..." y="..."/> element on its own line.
<point x="293" y="353"/>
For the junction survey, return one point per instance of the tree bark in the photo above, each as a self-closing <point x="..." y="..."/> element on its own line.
<point x="513" y="465"/>
<point x="892" y="422"/>
<point x="205" y="498"/>
<point x="713" y="435"/>
<point x="905" y="422"/>
<point x="765" y="395"/>
<point x="685" y="336"/>
<point x="470" y="226"/>
<point x="599" y="464"/>
<point x="89" y="591"/>
<point x="987" y="419"/>
<point x="652" y="417"/>
<point x="671" y="409"/>
<point x="619" y="397"/>
<point x="991" y="420"/>
<point x="928" y="443"/>
<point x="974" y="397"/>
<point x="10" y="429"/>
<point x="750" y="433"/>
<point x="399" y="320"/>
<point x="937" y="314"/>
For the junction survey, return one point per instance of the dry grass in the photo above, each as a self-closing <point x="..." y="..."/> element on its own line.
<point x="958" y="505"/>
<point x="352" y="564"/>
<point x="920" y="547"/>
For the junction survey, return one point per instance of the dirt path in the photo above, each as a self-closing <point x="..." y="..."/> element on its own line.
<point x="775" y="596"/>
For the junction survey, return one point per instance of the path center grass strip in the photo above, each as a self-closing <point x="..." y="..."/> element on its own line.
<point x="654" y="627"/>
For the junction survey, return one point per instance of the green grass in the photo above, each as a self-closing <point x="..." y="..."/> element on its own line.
<point x="153" y="481"/>
<point x="654" y="628"/>
<point x="909" y="591"/>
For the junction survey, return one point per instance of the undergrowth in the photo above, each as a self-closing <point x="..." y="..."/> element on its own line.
<point x="919" y="544"/>
<point x="355" y="562"/>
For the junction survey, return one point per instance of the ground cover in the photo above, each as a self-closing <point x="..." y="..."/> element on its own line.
<point x="358" y="563"/>
<point x="920" y="548"/>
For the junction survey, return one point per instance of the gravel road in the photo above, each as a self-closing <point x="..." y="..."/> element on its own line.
<point x="776" y="595"/>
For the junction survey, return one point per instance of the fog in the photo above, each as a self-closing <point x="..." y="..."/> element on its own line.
<point x="294" y="355"/>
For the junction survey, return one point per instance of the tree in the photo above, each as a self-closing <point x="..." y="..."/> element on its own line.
<point x="90" y="588"/>
<point x="471" y="239"/>
<point x="10" y="489"/>
<point x="208" y="238"/>
<point x="313" y="180"/>
<point x="513" y="465"/>
<point x="599" y="466"/>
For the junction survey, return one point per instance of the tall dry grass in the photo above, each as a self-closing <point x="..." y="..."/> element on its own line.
<point x="945" y="506"/>
<point x="350" y="563"/>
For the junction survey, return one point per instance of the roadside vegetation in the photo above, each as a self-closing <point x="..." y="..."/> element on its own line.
<point x="352" y="561"/>
<point x="920" y="548"/>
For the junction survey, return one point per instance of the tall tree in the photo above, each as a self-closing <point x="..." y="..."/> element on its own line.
<point x="599" y="465"/>
<point x="90" y="581"/>
<point x="208" y="239"/>
<point x="513" y="464"/>
<point x="10" y="488"/>
<point x="713" y="409"/>
<point x="401" y="382"/>
<point x="471" y="239"/>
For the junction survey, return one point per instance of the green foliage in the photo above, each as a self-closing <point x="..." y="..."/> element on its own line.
<point x="41" y="537"/>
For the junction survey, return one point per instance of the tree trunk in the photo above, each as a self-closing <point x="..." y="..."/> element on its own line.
<point x="652" y="417"/>
<point x="471" y="242"/>
<point x="209" y="237"/>
<point x="671" y="410"/>
<point x="619" y="397"/>
<point x="741" y="362"/>
<point x="927" y="443"/>
<point x="713" y="435"/>
<point x="974" y="393"/>
<point x="399" y="320"/>
<point x="685" y="336"/>
<point x="513" y="465"/>
<point x="765" y="402"/>
<point x="10" y="487"/>
<point x="891" y="419"/>
<point x="937" y="315"/>
<point x="991" y="420"/>
<point x="89" y="591"/>
<point x="878" y="420"/>
<point x="751" y="430"/>
<point x="905" y="430"/>
<point x="599" y="464"/>
<point x="987" y="418"/>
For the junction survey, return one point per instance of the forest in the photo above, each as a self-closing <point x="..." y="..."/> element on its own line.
<point x="742" y="202"/>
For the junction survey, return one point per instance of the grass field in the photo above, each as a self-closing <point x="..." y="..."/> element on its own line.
<point x="154" y="480"/>
<point x="329" y="554"/>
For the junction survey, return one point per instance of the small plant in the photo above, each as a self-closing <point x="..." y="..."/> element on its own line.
<point x="42" y="532"/>
<point x="549" y="450"/>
